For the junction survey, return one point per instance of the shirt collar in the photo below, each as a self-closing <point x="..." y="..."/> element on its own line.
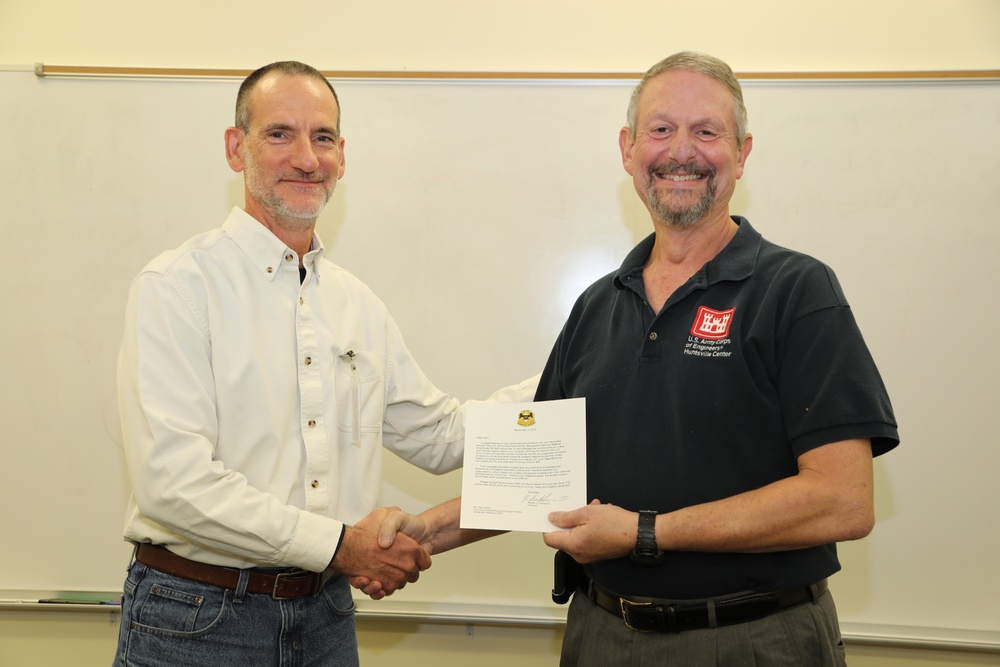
<point x="264" y="249"/>
<point x="734" y="262"/>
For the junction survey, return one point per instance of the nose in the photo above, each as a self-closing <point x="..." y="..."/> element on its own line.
<point x="682" y="147"/>
<point x="304" y="155"/>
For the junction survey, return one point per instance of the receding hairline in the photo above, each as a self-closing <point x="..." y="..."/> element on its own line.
<point x="288" y="68"/>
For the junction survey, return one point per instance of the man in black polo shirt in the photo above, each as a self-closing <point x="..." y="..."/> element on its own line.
<point x="733" y="411"/>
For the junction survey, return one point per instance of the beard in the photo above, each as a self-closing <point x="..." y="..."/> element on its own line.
<point x="674" y="208"/>
<point x="291" y="216"/>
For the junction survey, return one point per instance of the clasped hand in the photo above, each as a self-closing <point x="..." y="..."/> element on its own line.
<point x="391" y="528"/>
<point x="380" y="569"/>
<point x="591" y="533"/>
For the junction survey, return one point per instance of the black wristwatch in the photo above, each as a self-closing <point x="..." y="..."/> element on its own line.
<point x="646" y="552"/>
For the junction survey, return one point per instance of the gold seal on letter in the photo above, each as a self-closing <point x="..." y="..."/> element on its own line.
<point x="526" y="418"/>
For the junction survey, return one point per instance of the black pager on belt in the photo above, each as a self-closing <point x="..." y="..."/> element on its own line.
<point x="566" y="577"/>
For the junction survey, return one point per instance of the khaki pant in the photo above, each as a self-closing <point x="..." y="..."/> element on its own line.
<point x="804" y="636"/>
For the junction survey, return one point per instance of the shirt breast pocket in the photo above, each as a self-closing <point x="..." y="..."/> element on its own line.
<point x="360" y="386"/>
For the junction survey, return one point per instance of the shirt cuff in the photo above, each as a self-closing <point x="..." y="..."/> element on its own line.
<point x="343" y="531"/>
<point x="523" y="392"/>
<point x="315" y="542"/>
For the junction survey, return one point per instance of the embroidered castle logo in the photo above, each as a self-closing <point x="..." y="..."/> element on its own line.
<point x="709" y="335"/>
<point x="712" y="324"/>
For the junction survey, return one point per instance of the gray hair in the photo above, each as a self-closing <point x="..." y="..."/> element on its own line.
<point x="701" y="63"/>
<point x="287" y="67"/>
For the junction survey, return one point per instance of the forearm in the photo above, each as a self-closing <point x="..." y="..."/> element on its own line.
<point x="789" y="514"/>
<point x="427" y="428"/>
<point x="232" y="519"/>
<point x="830" y="500"/>
<point x="443" y="530"/>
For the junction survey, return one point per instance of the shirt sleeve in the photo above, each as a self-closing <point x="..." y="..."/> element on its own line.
<point x="423" y="425"/>
<point x="167" y="401"/>
<point x="831" y="389"/>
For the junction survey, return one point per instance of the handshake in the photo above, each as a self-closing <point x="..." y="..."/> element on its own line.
<point x="384" y="551"/>
<point x="390" y="548"/>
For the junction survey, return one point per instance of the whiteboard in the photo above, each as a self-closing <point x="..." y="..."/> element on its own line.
<point x="478" y="211"/>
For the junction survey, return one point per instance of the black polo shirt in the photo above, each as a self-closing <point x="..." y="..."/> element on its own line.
<point x="755" y="360"/>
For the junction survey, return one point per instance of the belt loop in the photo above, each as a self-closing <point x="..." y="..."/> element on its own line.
<point x="324" y="578"/>
<point x="662" y="619"/>
<point x="814" y="593"/>
<point x="672" y="619"/>
<point x="710" y="606"/>
<point x="241" y="586"/>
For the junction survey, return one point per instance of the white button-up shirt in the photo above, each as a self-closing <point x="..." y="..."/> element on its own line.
<point x="255" y="408"/>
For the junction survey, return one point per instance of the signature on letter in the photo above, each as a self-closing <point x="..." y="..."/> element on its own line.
<point x="535" y="498"/>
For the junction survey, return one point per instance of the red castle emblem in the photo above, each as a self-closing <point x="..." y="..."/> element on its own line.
<point x="712" y="324"/>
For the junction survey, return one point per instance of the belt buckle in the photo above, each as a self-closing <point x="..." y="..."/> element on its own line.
<point x="277" y="581"/>
<point x="628" y="604"/>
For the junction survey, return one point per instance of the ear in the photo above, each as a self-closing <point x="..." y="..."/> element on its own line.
<point x="343" y="162"/>
<point x="741" y="159"/>
<point x="235" y="139"/>
<point x="626" y="143"/>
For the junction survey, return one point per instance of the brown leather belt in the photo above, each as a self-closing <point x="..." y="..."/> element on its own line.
<point x="652" y="615"/>
<point x="279" y="585"/>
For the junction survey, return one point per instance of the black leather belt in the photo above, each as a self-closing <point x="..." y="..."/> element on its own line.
<point x="652" y="615"/>
<point x="282" y="585"/>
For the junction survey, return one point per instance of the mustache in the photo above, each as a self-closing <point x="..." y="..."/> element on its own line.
<point x="674" y="169"/>
<point x="299" y="175"/>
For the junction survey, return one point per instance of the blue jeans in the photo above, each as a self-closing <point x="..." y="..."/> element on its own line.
<point x="168" y="621"/>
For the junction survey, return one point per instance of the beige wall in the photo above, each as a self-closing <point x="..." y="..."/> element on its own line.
<point x="583" y="35"/>
<point x="36" y="638"/>
<point x="570" y="35"/>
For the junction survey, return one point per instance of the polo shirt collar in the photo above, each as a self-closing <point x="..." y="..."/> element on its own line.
<point x="734" y="262"/>
<point x="265" y="250"/>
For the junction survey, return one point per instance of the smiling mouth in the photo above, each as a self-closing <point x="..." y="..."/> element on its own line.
<point x="676" y="173"/>
<point x="302" y="184"/>
<point x="678" y="177"/>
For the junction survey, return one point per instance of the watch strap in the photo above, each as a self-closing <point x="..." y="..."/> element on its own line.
<point x="646" y="551"/>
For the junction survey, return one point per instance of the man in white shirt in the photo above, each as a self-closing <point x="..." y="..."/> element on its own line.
<point x="258" y="383"/>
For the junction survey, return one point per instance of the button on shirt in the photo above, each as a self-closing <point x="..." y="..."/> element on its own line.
<point x="255" y="407"/>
